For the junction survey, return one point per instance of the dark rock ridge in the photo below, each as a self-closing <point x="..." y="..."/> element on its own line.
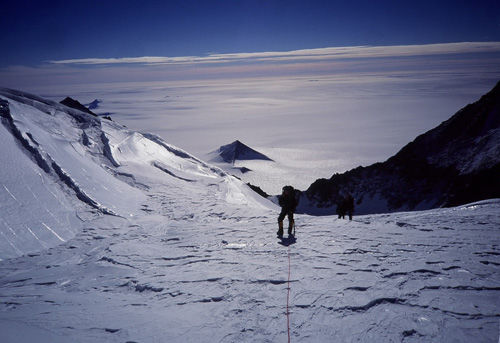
<point x="76" y="105"/>
<point x="455" y="163"/>
<point x="237" y="151"/>
<point x="258" y="190"/>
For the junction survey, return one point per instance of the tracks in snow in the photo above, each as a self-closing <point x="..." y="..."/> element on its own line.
<point x="369" y="278"/>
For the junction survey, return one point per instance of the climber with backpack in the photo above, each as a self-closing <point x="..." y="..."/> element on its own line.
<point x="288" y="203"/>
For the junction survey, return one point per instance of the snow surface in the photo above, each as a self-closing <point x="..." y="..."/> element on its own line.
<point x="167" y="248"/>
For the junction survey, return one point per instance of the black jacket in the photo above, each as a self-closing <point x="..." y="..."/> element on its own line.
<point x="287" y="201"/>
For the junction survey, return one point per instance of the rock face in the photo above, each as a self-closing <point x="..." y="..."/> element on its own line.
<point x="237" y="151"/>
<point x="455" y="163"/>
<point x="70" y="102"/>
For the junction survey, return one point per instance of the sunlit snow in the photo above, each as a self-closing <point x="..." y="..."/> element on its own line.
<point x="110" y="235"/>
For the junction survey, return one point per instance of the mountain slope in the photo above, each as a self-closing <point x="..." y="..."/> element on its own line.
<point x="452" y="164"/>
<point x="166" y="248"/>
<point x="61" y="165"/>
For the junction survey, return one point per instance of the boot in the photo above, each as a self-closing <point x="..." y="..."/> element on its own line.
<point x="280" y="229"/>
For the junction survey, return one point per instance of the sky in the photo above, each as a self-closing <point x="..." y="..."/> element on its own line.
<point x="37" y="32"/>
<point x="74" y="42"/>
<point x="329" y="85"/>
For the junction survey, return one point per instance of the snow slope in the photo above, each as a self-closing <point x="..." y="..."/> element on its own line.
<point x="166" y="248"/>
<point x="61" y="165"/>
<point x="188" y="274"/>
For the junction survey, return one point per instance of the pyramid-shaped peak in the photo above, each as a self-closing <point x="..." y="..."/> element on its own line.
<point x="241" y="152"/>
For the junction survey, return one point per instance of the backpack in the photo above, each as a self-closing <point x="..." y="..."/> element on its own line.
<point x="291" y="200"/>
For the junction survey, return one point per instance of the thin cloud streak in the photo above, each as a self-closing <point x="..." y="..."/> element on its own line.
<point x="300" y="55"/>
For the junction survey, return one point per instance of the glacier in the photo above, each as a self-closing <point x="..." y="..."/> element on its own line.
<point x="112" y="235"/>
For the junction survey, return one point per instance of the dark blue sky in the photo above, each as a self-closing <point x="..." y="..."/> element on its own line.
<point x="37" y="31"/>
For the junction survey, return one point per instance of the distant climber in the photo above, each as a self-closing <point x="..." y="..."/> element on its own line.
<point x="341" y="207"/>
<point x="349" y="205"/>
<point x="345" y="205"/>
<point x="288" y="203"/>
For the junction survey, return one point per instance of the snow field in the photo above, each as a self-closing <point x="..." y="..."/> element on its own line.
<point x="166" y="248"/>
<point x="196" y="274"/>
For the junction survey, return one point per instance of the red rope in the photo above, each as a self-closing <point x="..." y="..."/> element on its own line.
<point x="288" y="298"/>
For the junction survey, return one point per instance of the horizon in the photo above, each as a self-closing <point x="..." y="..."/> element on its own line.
<point x="51" y="31"/>
<point x="69" y="43"/>
<point x="165" y="40"/>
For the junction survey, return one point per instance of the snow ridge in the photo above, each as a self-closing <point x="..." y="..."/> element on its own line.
<point x="5" y="113"/>
<point x="45" y="161"/>
<point x="108" y="169"/>
<point x="80" y="193"/>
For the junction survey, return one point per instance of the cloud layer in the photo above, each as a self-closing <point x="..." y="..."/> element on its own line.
<point x="300" y="55"/>
<point x="341" y="107"/>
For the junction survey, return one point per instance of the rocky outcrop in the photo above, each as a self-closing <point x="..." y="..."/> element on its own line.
<point x="455" y="163"/>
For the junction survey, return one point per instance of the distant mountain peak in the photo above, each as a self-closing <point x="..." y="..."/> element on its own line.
<point x="94" y="104"/>
<point x="237" y="151"/>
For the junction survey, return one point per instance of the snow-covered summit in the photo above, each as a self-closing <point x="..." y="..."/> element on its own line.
<point x="60" y="165"/>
